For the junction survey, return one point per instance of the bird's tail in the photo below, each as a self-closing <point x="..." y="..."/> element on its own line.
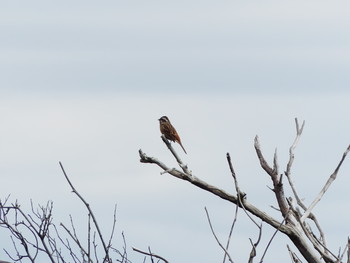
<point x="182" y="147"/>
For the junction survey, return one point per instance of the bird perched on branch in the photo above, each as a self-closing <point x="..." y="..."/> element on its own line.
<point x="169" y="131"/>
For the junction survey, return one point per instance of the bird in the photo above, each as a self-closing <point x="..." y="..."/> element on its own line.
<point x="168" y="130"/>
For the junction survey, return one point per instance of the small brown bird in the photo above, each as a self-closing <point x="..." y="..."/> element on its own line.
<point x="169" y="131"/>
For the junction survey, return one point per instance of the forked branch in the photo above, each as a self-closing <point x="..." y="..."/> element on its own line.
<point x="276" y="180"/>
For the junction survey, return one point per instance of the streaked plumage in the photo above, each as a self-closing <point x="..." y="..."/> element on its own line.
<point x="168" y="130"/>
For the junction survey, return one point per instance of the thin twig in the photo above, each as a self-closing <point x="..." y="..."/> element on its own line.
<point x="113" y="226"/>
<point x="75" y="239"/>
<point x="231" y="230"/>
<point x="240" y="195"/>
<point x="299" y="131"/>
<point x="95" y="247"/>
<point x="348" y="250"/>
<point x="216" y="238"/>
<point x="291" y="160"/>
<point x="272" y="237"/>
<point x="89" y="238"/>
<point x="253" y="251"/>
<point x="125" y="255"/>
<point x="150" y="254"/>
<point x="90" y="212"/>
<point x="38" y="232"/>
<point x="241" y="198"/>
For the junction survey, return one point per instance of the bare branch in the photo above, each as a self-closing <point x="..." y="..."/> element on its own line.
<point x="293" y="256"/>
<point x="113" y="226"/>
<point x="327" y="185"/>
<point x="261" y="157"/>
<point x="269" y="243"/>
<point x="95" y="247"/>
<point x="150" y="252"/>
<point x="216" y="238"/>
<point x="240" y="195"/>
<point x="239" y="199"/>
<point x="89" y="238"/>
<point x="106" y="249"/>
<point x="254" y="246"/>
<point x="124" y="254"/>
<point x="315" y="242"/>
<point x="40" y="232"/>
<point x="273" y="173"/>
<point x="181" y="164"/>
<point x="348" y="250"/>
<point x="290" y="181"/>
<point x="292" y="148"/>
<point x="291" y="160"/>
<point x="275" y="164"/>
<point x="231" y="230"/>
<point x="252" y="252"/>
<point x="75" y="239"/>
<point x="216" y="191"/>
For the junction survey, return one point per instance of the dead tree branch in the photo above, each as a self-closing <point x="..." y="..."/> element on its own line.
<point x="214" y="190"/>
<point x="176" y="156"/>
<point x="326" y="186"/>
<point x="288" y="174"/>
<point x="273" y="173"/>
<point x="313" y="249"/>
<point x="241" y="198"/>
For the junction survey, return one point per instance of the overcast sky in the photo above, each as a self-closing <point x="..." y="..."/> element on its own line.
<point x="84" y="83"/>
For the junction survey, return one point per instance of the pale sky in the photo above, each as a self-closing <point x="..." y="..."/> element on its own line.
<point x="84" y="83"/>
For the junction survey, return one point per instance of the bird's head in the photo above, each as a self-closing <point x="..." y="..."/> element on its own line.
<point x="163" y="119"/>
